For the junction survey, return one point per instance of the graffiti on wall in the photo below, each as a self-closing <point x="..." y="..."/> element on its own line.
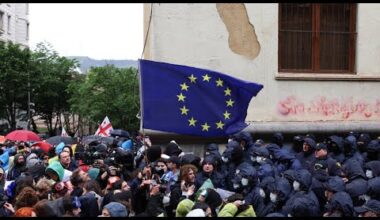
<point x="345" y="108"/>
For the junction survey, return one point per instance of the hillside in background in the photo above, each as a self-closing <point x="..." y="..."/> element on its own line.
<point x="87" y="62"/>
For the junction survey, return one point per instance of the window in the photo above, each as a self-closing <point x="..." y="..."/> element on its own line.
<point x="27" y="9"/>
<point x="317" y="38"/>
<point x="9" y="24"/>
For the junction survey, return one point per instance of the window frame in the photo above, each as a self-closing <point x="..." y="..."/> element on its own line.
<point x="315" y="44"/>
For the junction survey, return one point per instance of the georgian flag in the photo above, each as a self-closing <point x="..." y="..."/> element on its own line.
<point x="64" y="133"/>
<point x="104" y="128"/>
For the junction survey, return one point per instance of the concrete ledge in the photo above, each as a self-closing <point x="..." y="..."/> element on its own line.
<point x="314" y="127"/>
<point x="266" y="129"/>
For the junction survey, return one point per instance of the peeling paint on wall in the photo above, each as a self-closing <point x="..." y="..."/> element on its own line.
<point x="242" y="37"/>
<point x="324" y="107"/>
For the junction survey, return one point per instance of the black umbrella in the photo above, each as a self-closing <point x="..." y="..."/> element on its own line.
<point x="58" y="139"/>
<point x="120" y="133"/>
<point x="92" y="138"/>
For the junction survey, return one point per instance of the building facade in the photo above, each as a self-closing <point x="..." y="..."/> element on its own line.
<point x="319" y="63"/>
<point x="14" y="23"/>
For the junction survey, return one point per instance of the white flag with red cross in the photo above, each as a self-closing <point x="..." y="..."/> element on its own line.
<point x="104" y="128"/>
<point x="64" y="133"/>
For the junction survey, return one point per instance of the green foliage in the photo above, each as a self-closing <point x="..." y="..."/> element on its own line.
<point x="107" y="91"/>
<point x="56" y="88"/>
<point x="14" y="66"/>
<point x="54" y="73"/>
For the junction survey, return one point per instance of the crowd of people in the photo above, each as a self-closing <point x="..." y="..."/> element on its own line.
<point x="338" y="176"/>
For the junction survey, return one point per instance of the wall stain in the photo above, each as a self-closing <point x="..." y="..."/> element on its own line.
<point x="242" y="38"/>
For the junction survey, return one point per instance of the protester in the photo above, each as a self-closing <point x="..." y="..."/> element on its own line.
<point x="310" y="177"/>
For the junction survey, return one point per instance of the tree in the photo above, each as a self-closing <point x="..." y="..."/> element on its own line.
<point x="107" y="91"/>
<point x="14" y="72"/>
<point x="50" y="95"/>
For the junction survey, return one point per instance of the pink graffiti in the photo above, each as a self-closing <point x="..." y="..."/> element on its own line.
<point x="345" y="108"/>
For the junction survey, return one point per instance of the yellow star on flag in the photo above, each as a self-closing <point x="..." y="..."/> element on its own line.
<point x="192" y="78"/>
<point x="206" y="78"/>
<point x="205" y="127"/>
<point x="226" y="115"/>
<point x="192" y="121"/>
<point x="219" y="125"/>
<point x="181" y="97"/>
<point x="230" y="103"/>
<point x="227" y="92"/>
<point x="219" y="82"/>
<point x="184" y="86"/>
<point x="184" y="110"/>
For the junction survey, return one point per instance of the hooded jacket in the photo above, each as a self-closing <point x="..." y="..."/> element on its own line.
<point x="351" y="151"/>
<point x="230" y="210"/>
<point x="57" y="168"/>
<point x="213" y="150"/>
<point x="302" y="207"/>
<point x="374" y="166"/>
<point x="216" y="178"/>
<point x="307" y="159"/>
<point x="116" y="209"/>
<point x="184" y="207"/>
<point x="284" y="160"/>
<point x="374" y="188"/>
<point x="16" y="169"/>
<point x="356" y="184"/>
<point x="247" y="138"/>
<point x="247" y="171"/>
<point x="305" y="179"/>
<point x="336" y="148"/>
<point x="343" y="202"/>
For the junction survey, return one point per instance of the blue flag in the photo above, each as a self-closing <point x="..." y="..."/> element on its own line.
<point x="193" y="101"/>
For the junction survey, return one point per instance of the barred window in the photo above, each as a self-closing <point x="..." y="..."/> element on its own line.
<point x="317" y="38"/>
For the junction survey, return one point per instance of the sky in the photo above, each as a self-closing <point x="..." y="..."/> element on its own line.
<point x="99" y="31"/>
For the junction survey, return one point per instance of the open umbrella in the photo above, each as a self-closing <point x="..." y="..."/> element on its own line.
<point x="22" y="135"/>
<point x="45" y="146"/>
<point x="91" y="138"/>
<point x="58" y="139"/>
<point x="120" y="133"/>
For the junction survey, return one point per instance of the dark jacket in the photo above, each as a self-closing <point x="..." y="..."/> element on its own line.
<point x="216" y="178"/>
<point x="356" y="185"/>
<point x="374" y="166"/>
<point x="284" y="160"/>
<point x="16" y="170"/>
<point x="374" y="188"/>
<point x="317" y="186"/>
<point x="245" y="137"/>
<point x="351" y="151"/>
<point x="89" y="205"/>
<point x="304" y="177"/>
<point x="335" y="145"/>
<point x="343" y="202"/>
<point x="283" y="189"/>
<point x="302" y="207"/>
<point x="213" y="150"/>
<point x="247" y="171"/>
<point x="373" y="150"/>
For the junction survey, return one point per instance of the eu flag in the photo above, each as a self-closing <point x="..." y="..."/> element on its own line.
<point x="193" y="101"/>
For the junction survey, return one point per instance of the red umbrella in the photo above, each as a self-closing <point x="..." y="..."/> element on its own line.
<point x="45" y="146"/>
<point x="22" y="135"/>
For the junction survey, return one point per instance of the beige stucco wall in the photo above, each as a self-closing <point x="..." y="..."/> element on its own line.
<point x="196" y="35"/>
